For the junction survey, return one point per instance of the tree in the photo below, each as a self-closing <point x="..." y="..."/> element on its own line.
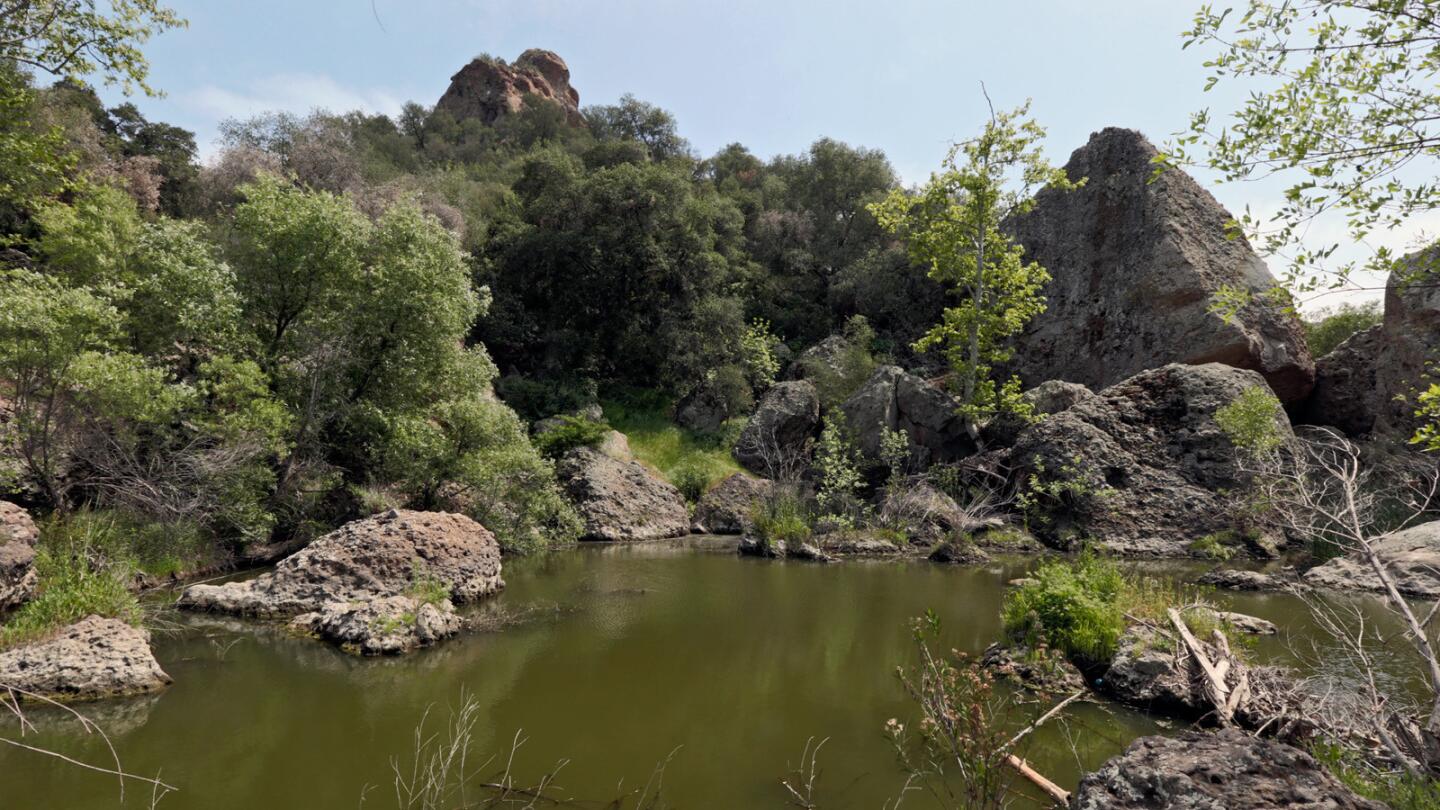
<point x="1348" y="109"/>
<point x="635" y="120"/>
<point x="953" y="226"/>
<point x="78" y="37"/>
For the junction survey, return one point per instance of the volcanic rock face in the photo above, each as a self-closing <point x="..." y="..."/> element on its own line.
<point x="489" y="89"/>
<point x="1368" y="383"/>
<point x="381" y="556"/>
<point x="893" y="399"/>
<point x="778" y="434"/>
<point x="17" y="556"/>
<point x="1136" y="264"/>
<point x="1222" y="769"/>
<point x="93" y="658"/>
<point x="621" y="500"/>
<point x="1142" y="466"/>
<point x="726" y="508"/>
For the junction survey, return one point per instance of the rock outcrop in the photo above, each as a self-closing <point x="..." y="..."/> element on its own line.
<point x="621" y="500"/>
<point x="390" y="554"/>
<point x="93" y="658"/>
<point x="701" y="410"/>
<point x="1222" y="769"/>
<point x="825" y="357"/>
<point x="725" y="509"/>
<point x="17" y="556"/>
<point x="893" y="399"/>
<point x="1367" y="384"/>
<point x="1051" y="396"/>
<point x="1143" y="466"/>
<point x="1411" y="557"/>
<point x="777" y="436"/>
<point x="390" y="625"/>
<point x="1136" y="265"/>
<point x="488" y="89"/>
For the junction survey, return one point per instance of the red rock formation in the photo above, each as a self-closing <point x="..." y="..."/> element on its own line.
<point x="489" y="89"/>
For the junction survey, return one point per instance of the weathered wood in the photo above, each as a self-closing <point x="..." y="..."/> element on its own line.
<point x="1059" y="795"/>
<point x="1215" y="689"/>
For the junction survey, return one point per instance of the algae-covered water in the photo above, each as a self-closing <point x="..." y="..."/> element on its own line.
<point x="634" y="657"/>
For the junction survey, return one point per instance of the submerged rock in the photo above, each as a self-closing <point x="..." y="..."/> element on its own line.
<point x="1220" y="770"/>
<point x="892" y="399"/>
<point x="959" y="552"/>
<point x="1040" y="670"/>
<point x="776" y="439"/>
<point x="389" y="625"/>
<point x="18" y="536"/>
<point x="381" y="556"/>
<point x="1236" y="579"/>
<point x="621" y="500"/>
<point x="1143" y="466"/>
<point x="1411" y="556"/>
<point x="1136" y="262"/>
<point x="725" y="509"/>
<point x="93" y="658"/>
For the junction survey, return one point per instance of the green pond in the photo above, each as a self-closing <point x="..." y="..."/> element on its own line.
<point x="634" y="658"/>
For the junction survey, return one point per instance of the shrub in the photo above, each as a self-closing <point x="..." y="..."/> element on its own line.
<point x="1251" y="420"/>
<point x="692" y="479"/>
<point x="572" y="432"/>
<point x="840" y="480"/>
<point x="1075" y="607"/>
<point x="779" y="521"/>
<point x="1216" y="546"/>
<point x="836" y="382"/>
<point x="534" y="399"/>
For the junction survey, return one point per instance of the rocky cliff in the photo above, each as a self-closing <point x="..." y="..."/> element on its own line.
<point x="1136" y="261"/>
<point x="489" y="89"/>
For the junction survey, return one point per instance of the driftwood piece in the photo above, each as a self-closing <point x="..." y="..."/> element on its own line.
<point x="1059" y="795"/>
<point x="1215" y="689"/>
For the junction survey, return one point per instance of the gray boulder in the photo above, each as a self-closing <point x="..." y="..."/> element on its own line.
<point x="386" y="555"/>
<point x="827" y="356"/>
<point x="778" y="434"/>
<point x="725" y="509"/>
<point x="1142" y="467"/>
<point x="1236" y="579"/>
<point x="1217" y="770"/>
<point x="1411" y="557"/>
<point x="18" y="536"/>
<point x="701" y="411"/>
<point x="893" y="399"/>
<point x="389" y="625"/>
<point x="1051" y="396"/>
<point x="1136" y="262"/>
<point x="1368" y="383"/>
<point x="621" y="500"/>
<point x="93" y="658"/>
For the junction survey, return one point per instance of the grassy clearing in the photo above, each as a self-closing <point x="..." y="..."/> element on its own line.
<point x="691" y="461"/>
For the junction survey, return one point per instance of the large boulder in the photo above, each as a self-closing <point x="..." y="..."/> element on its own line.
<point x="725" y="509"/>
<point x="702" y="410"/>
<point x="1367" y="384"/>
<point x="619" y="499"/>
<point x="93" y="658"/>
<point x="389" y="554"/>
<point x="826" y="357"/>
<point x="777" y="436"/>
<point x="17" y="556"/>
<point x="1143" y="466"/>
<point x="390" y="625"/>
<point x="1411" y="557"/>
<point x="893" y="399"/>
<point x="1051" y="396"/>
<point x="1136" y="261"/>
<point x="488" y="89"/>
<point x="1218" y="770"/>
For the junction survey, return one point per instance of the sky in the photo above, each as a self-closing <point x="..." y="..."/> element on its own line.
<point x="900" y="75"/>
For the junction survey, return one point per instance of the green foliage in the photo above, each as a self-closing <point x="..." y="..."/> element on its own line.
<point x="658" y="443"/>
<point x="953" y="227"/>
<point x="1428" y="434"/>
<point x="757" y="354"/>
<point x="895" y="453"/>
<point x="572" y="432"/>
<point x="838" y="474"/>
<point x="1252" y="420"/>
<point x="780" y="522"/>
<point x="1219" y="546"/>
<point x="90" y="240"/>
<point x="1397" y="790"/>
<point x="838" y="377"/>
<point x="1338" y="98"/>
<point x="1074" y="487"/>
<point x="75" y="38"/>
<point x="1077" y="607"/>
<point x="426" y="588"/>
<point x="1337" y="324"/>
<point x="693" y="479"/>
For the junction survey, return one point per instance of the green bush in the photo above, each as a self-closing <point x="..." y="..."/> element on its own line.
<point x="1251" y="421"/>
<point x="692" y="479"/>
<point x="1218" y="546"/>
<point x="572" y="432"/>
<point x="780" y="521"/>
<point x="1075" y="606"/>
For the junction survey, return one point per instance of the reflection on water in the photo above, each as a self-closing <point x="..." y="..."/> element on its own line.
<point x="635" y="651"/>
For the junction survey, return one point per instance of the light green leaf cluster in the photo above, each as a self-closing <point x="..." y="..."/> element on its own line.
<point x="838" y="474"/>
<point x="953" y="226"/>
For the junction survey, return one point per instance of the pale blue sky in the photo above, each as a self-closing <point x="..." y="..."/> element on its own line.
<point x="901" y="75"/>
